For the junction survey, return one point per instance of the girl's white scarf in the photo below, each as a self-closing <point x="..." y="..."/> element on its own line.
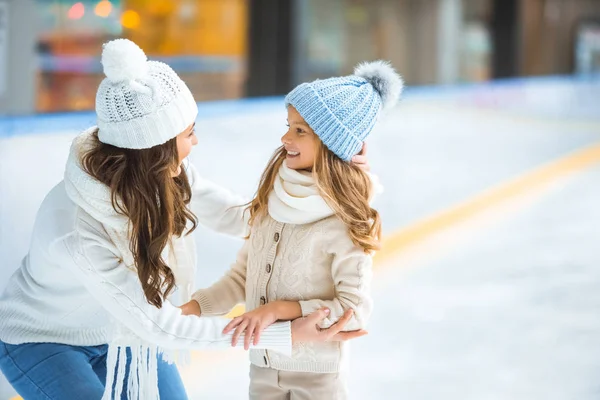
<point x="295" y="198"/>
<point x="95" y="198"/>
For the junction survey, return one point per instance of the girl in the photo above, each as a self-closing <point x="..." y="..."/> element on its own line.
<point x="89" y="311"/>
<point x="312" y="237"/>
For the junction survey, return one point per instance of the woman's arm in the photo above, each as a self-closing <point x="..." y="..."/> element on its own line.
<point x="88" y="255"/>
<point x="216" y="207"/>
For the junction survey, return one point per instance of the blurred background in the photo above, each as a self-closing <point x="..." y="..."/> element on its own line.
<point x="487" y="284"/>
<point x="228" y="49"/>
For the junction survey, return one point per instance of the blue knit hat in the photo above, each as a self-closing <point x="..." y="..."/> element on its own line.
<point x="342" y="111"/>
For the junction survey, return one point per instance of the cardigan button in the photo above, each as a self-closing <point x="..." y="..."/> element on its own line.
<point x="268" y="268"/>
<point x="276" y="237"/>
<point x="262" y="300"/>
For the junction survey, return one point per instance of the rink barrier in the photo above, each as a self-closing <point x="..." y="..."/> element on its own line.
<point x="464" y="93"/>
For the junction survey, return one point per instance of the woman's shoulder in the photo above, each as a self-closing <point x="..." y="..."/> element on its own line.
<point x="56" y="220"/>
<point x="57" y="213"/>
<point x="59" y="217"/>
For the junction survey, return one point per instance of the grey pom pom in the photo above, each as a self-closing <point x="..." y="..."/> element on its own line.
<point x="384" y="79"/>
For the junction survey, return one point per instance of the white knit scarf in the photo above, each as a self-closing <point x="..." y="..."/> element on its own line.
<point x="295" y="198"/>
<point x="95" y="198"/>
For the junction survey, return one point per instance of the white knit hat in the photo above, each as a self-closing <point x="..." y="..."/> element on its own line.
<point x="140" y="104"/>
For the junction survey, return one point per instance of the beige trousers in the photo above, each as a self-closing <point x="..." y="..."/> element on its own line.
<point x="272" y="384"/>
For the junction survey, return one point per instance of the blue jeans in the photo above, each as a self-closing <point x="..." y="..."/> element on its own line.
<point x="53" y="371"/>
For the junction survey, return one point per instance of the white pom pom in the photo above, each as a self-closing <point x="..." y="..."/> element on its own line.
<point x="123" y="60"/>
<point x="384" y="79"/>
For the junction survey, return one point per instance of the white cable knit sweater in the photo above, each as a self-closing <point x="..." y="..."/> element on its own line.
<point x="75" y="286"/>
<point x="312" y="261"/>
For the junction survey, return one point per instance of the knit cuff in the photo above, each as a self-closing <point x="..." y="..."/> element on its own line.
<point x="206" y="305"/>
<point x="277" y="337"/>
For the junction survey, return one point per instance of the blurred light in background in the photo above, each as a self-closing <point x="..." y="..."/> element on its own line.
<point x="228" y="49"/>
<point x="76" y="11"/>
<point x="130" y="19"/>
<point x="103" y="8"/>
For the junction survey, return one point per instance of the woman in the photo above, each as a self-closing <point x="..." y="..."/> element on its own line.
<point x="88" y="313"/>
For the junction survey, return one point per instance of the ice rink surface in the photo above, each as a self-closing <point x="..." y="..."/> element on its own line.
<point x="500" y="303"/>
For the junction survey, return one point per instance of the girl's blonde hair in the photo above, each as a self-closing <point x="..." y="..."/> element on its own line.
<point x="346" y="188"/>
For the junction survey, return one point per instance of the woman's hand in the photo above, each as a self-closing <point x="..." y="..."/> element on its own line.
<point x="253" y="323"/>
<point x="303" y="329"/>
<point x="190" y="308"/>
<point x="307" y="329"/>
<point x="361" y="160"/>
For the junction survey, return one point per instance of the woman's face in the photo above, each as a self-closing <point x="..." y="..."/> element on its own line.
<point x="185" y="141"/>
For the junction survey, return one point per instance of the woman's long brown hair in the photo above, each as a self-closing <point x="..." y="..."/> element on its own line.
<point x="346" y="188"/>
<point x="143" y="188"/>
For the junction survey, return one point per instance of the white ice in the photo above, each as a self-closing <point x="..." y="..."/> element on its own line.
<point x="503" y="306"/>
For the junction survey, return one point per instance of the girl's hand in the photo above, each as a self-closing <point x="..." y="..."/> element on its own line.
<point x="253" y="322"/>
<point x="190" y="308"/>
<point x="307" y="329"/>
<point x="361" y="160"/>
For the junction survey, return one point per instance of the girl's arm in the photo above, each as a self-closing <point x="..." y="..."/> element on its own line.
<point x="278" y="310"/>
<point x="286" y="310"/>
<point x="228" y="291"/>
<point x="351" y="270"/>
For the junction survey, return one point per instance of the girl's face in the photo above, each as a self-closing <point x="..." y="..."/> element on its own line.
<point x="185" y="141"/>
<point x="300" y="141"/>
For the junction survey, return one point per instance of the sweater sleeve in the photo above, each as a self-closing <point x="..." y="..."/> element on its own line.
<point x="216" y="207"/>
<point x="228" y="291"/>
<point x="118" y="289"/>
<point x="351" y="270"/>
